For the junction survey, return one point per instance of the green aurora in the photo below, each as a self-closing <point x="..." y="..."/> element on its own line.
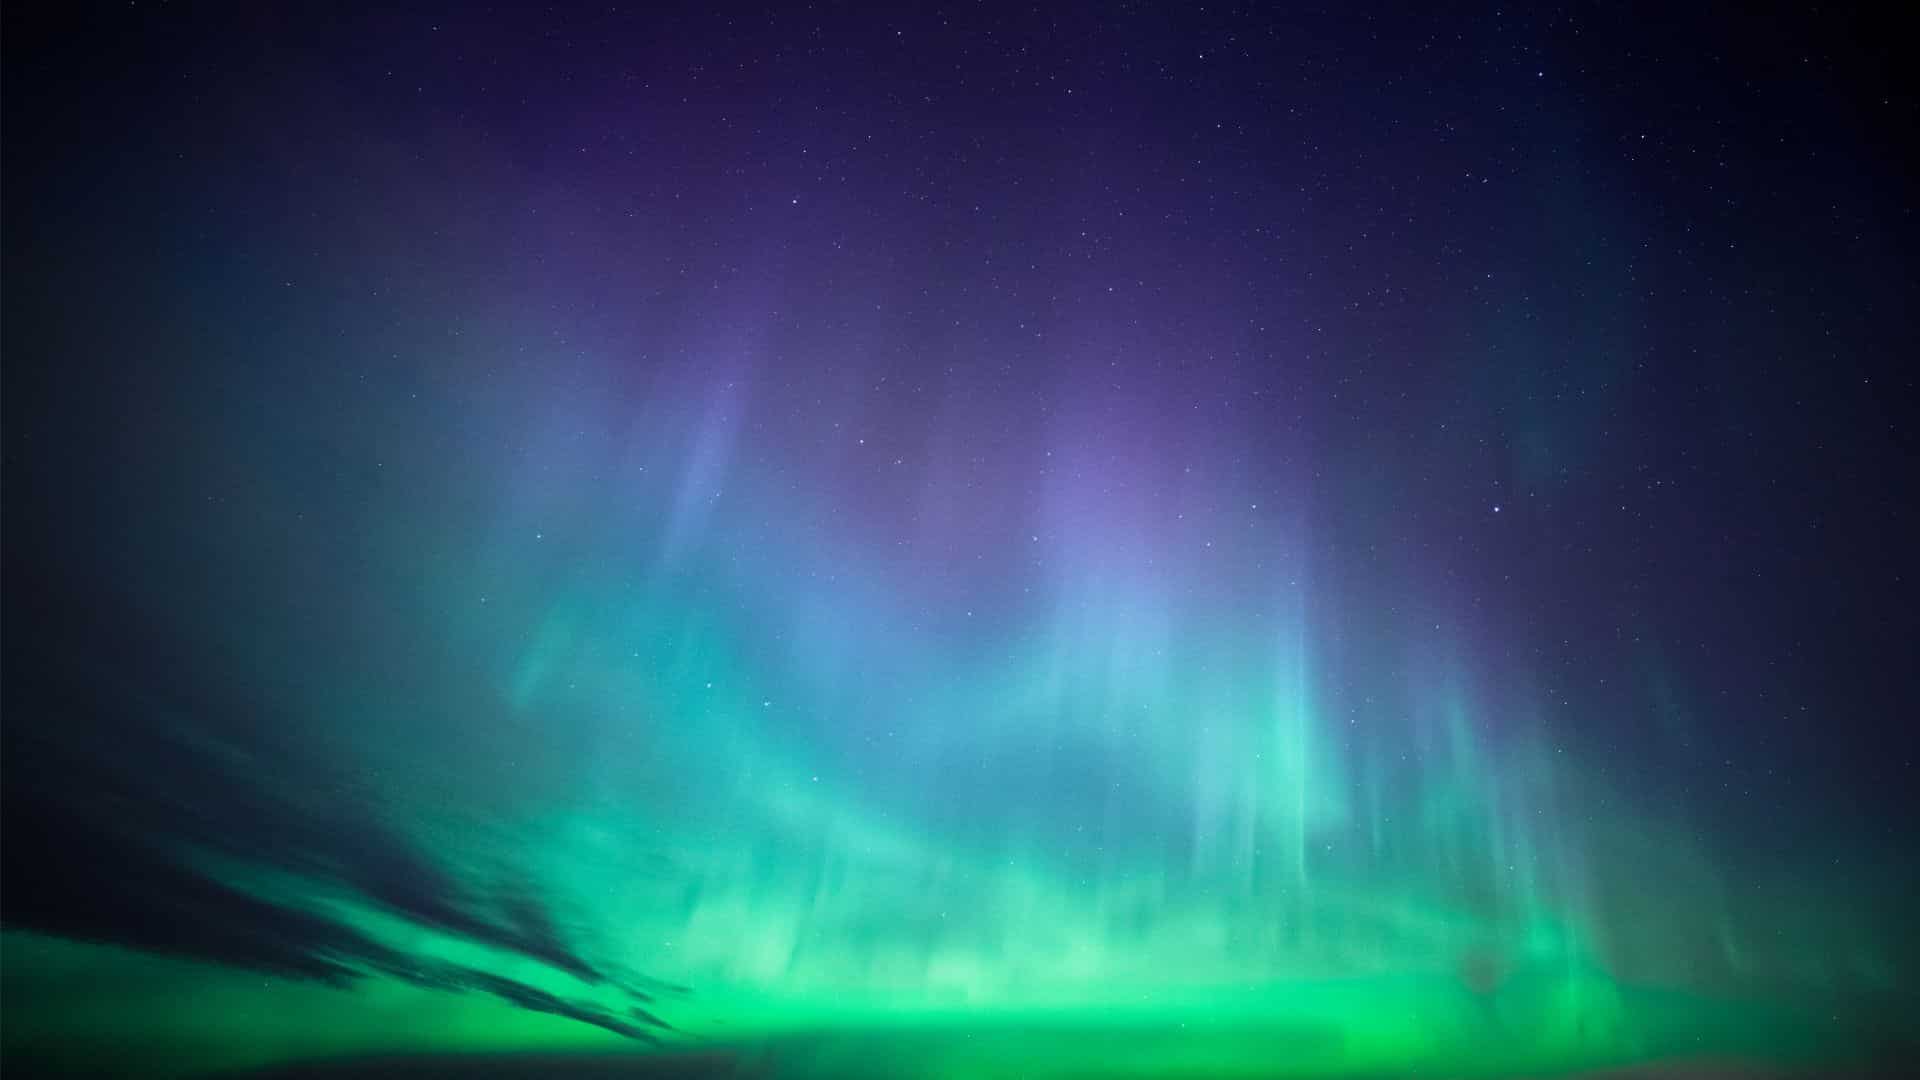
<point x="1028" y="541"/>
<point x="1131" y="838"/>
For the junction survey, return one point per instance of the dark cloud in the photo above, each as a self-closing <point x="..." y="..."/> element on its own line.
<point x="403" y="881"/>
<point x="537" y="1000"/>
<point x="647" y="1018"/>
<point x="534" y="934"/>
<point x="66" y="876"/>
<point x="123" y="771"/>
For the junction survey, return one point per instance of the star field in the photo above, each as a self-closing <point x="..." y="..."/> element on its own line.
<point x="878" y="542"/>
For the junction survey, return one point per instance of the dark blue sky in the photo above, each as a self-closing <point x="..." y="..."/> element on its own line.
<point x="1561" y="353"/>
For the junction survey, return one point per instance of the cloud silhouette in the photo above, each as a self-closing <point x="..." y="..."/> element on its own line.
<point x="127" y="778"/>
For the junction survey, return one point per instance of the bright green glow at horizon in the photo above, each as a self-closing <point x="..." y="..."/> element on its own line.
<point x="215" y="1018"/>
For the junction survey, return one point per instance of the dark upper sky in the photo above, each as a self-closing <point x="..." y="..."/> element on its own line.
<point x="1582" y="335"/>
<point x="1641" y="280"/>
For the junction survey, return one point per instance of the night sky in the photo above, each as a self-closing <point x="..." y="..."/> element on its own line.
<point x="966" y="541"/>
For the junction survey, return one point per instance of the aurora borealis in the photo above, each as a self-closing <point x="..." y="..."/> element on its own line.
<point x="962" y="542"/>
